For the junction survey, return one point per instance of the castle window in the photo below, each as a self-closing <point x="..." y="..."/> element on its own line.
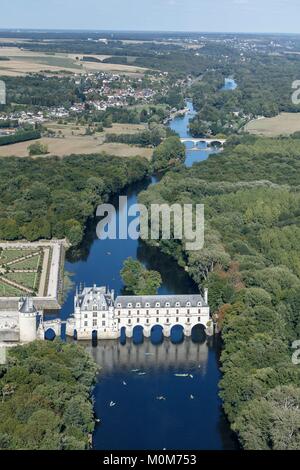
<point x="85" y="323"/>
<point x="147" y="321"/>
<point x="95" y="314"/>
<point x="103" y="323"/>
<point x="147" y="312"/>
<point x="119" y="305"/>
<point x="103" y="315"/>
<point x="138" y="312"/>
<point x="188" y="304"/>
<point x="119" y="320"/>
<point x="177" y="304"/>
<point x="138" y="320"/>
<point x="177" y="320"/>
<point x="138" y="305"/>
<point x="199" y="318"/>
<point x="94" y="322"/>
<point x="177" y="311"/>
<point x="199" y="310"/>
<point x="188" y="311"/>
<point x="188" y="320"/>
<point x="157" y="304"/>
<point x="168" y="320"/>
<point x="147" y="304"/>
<point x="85" y="315"/>
<point x="167" y="312"/>
<point x="95" y="307"/>
<point x="157" y="320"/>
<point x="129" y="305"/>
<point x="168" y="304"/>
<point x="157" y="312"/>
<point x="119" y="312"/>
<point x="129" y="321"/>
<point x="199" y="304"/>
<point x="129" y="312"/>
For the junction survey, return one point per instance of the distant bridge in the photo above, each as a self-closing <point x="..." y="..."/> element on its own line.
<point x="209" y="142"/>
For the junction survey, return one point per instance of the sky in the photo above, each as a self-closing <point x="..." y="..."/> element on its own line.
<point x="263" y="16"/>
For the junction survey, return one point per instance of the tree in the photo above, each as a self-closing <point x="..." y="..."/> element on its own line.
<point x="170" y="152"/>
<point x="38" y="149"/>
<point x="138" y="280"/>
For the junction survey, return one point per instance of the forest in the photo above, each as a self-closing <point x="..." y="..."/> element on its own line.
<point x="250" y="263"/>
<point x="53" y="197"/>
<point x="46" y="397"/>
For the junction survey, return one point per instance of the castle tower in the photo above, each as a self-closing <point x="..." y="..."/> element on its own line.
<point x="27" y="320"/>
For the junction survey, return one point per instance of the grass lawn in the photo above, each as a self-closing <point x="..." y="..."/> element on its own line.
<point x="10" y="255"/>
<point x="30" y="263"/>
<point x="24" y="279"/>
<point x="9" y="291"/>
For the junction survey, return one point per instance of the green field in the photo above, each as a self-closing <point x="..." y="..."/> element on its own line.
<point x="24" y="279"/>
<point x="10" y="255"/>
<point x="16" y="271"/>
<point x="30" y="263"/>
<point x="9" y="291"/>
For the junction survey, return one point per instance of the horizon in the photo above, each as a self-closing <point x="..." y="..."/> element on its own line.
<point x="251" y="16"/>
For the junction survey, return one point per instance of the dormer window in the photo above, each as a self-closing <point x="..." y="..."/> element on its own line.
<point x="157" y="304"/>
<point x="177" y="304"/>
<point x="188" y="304"/>
<point x="199" y="304"/>
<point x="129" y="305"/>
<point x="147" y="304"/>
<point x="138" y="305"/>
<point x="168" y="304"/>
<point x="119" y="305"/>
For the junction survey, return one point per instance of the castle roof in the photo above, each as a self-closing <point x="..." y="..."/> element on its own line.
<point x="152" y="301"/>
<point x="27" y="306"/>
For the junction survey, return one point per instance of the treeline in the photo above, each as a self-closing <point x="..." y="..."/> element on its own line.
<point x="20" y="136"/>
<point x="54" y="197"/>
<point x="8" y="124"/>
<point x="38" y="90"/>
<point x="251" y="264"/>
<point x="46" y="398"/>
<point x="147" y="138"/>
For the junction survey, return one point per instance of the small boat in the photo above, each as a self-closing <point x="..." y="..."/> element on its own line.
<point x="192" y="397"/>
<point x="98" y="420"/>
<point x="191" y="376"/>
<point x="112" y="403"/>
<point x="124" y="383"/>
<point x="108" y="253"/>
<point x="135" y="370"/>
<point x="142" y="373"/>
<point x="181" y="375"/>
<point x="161" y="398"/>
<point x="149" y="354"/>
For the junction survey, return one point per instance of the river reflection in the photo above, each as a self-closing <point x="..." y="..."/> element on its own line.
<point x="154" y="407"/>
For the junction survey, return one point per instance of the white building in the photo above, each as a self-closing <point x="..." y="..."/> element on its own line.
<point x="98" y="314"/>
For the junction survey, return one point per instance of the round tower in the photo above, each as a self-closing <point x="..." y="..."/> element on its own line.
<point x="27" y="321"/>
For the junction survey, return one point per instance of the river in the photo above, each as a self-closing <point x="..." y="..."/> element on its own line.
<point x="190" y="416"/>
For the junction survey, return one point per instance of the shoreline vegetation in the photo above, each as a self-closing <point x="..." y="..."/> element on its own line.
<point x="251" y="265"/>
<point x="46" y="401"/>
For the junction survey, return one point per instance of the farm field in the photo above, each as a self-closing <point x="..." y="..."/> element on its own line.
<point x="72" y="141"/>
<point x="283" y="124"/>
<point x="23" y="62"/>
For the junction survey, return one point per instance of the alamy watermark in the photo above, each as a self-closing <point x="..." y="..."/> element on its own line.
<point x="2" y="92"/>
<point x="160" y="222"/>
<point x="296" y="94"/>
<point x="296" y="354"/>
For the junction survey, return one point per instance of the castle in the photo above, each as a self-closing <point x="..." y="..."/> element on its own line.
<point x="97" y="313"/>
